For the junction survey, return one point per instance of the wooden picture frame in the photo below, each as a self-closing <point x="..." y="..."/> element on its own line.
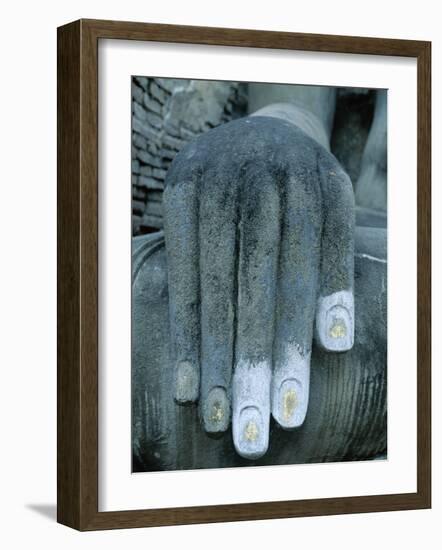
<point x="77" y="461"/>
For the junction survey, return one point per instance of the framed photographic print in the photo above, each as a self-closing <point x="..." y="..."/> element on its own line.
<point x="243" y="274"/>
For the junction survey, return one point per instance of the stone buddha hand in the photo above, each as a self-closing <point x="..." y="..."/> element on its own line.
<point x="259" y="229"/>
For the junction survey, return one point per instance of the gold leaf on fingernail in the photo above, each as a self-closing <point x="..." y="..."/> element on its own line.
<point x="290" y="402"/>
<point x="338" y="329"/>
<point x="251" y="432"/>
<point x="217" y="412"/>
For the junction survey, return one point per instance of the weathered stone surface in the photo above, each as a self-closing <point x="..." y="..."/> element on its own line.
<point x="187" y="134"/>
<point x="172" y="84"/>
<point x="334" y="269"/>
<point x="136" y="221"/>
<point x="154" y="120"/>
<point x="318" y="100"/>
<point x="158" y="93"/>
<point x="304" y="120"/>
<point x="167" y="153"/>
<point x="139" y="112"/>
<point x="139" y="141"/>
<point x="149" y="220"/>
<point x="198" y="104"/>
<point x="154" y="208"/>
<point x="146" y="170"/>
<point x="137" y="92"/>
<point x="173" y="142"/>
<point x="146" y="131"/>
<point x="348" y="391"/>
<point x="367" y="217"/>
<point x="139" y="194"/>
<point x="150" y="183"/>
<point x="155" y="196"/>
<point x="371" y="187"/>
<point x="149" y="158"/>
<point x="161" y="120"/>
<point x="135" y="167"/>
<point x="171" y="127"/>
<point x="352" y="121"/>
<point x="142" y="81"/>
<point x="152" y="105"/>
<point x="159" y="173"/>
<point x="255" y="300"/>
<point x="138" y="207"/>
<point x="267" y="197"/>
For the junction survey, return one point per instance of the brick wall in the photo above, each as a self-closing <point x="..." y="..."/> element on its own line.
<point x="167" y="114"/>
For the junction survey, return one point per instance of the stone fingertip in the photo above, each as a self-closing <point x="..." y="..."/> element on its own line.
<point x="186" y="382"/>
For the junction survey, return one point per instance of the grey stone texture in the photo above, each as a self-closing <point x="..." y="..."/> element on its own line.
<point x="352" y="121"/>
<point x="371" y="186"/>
<point x="347" y="418"/>
<point x="300" y="117"/>
<point x="259" y="222"/>
<point x="166" y="115"/>
<point x="190" y="108"/>
<point x="318" y="100"/>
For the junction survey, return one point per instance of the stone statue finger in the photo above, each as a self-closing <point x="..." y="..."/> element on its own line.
<point x="335" y="316"/>
<point x="299" y="260"/>
<point x="181" y="235"/>
<point x="258" y="241"/>
<point x="218" y="233"/>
